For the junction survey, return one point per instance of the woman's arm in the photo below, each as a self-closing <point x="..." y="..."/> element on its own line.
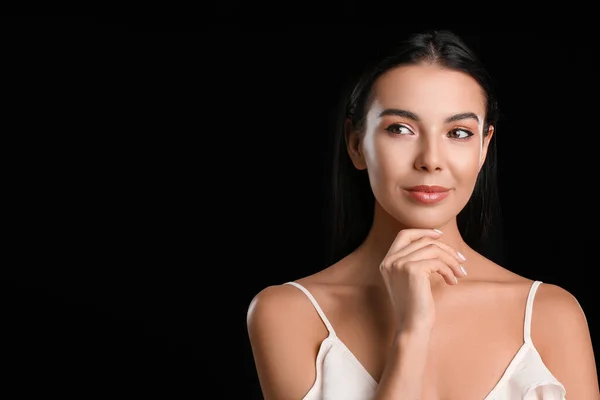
<point x="403" y="373"/>
<point x="284" y="345"/>
<point x="561" y="334"/>
<point x="285" y="334"/>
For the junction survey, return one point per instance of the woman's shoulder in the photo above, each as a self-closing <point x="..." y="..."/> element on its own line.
<point x="558" y="316"/>
<point x="498" y="281"/>
<point x="284" y="332"/>
<point x="276" y="300"/>
<point x="549" y="294"/>
<point x="281" y="308"/>
<point x="286" y="295"/>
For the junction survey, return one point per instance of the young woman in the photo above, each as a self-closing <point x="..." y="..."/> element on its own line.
<point x="411" y="310"/>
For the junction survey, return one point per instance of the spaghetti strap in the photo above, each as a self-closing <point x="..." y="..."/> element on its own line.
<point x="315" y="305"/>
<point x="529" y="311"/>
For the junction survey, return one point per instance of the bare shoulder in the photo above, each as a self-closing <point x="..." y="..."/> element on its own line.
<point x="559" y="329"/>
<point x="277" y="307"/>
<point x="285" y="334"/>
<point x="270" y="301"/>
<point x="561" y="335"/>
<point x="558" y="316"/>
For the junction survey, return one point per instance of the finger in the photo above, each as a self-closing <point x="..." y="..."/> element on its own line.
<point x="430" y="252"/>
<point x="431" y="266"/>
<point x="406" y="236"/>
<point x="424" y="242"/>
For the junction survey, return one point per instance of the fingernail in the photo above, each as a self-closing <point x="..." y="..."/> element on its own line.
<point x="464" y="271"/>
<point x="456" y="280"/>
<point x="461" y="256"/>
<point x="438" y="231"/>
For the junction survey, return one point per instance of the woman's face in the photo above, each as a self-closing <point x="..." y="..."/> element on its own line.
<point x="424" y="128"/>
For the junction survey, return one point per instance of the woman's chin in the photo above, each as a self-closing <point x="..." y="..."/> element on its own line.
<point x="423" y="223"/>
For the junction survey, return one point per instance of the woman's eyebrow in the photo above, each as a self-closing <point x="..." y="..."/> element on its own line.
<point x="411" y="115"/>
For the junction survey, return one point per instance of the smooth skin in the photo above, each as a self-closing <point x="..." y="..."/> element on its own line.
<point x="401" y="301"/>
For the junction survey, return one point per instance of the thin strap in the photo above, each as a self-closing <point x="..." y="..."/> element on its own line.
<point x="529" y="310"/>
<point x="316" y="305"/>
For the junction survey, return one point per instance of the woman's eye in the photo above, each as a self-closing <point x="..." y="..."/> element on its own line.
<point x="460" y="134"/>
<point x="398" y="129"/>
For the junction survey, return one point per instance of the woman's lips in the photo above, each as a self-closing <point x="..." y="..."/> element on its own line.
<point x="428" y="194"/>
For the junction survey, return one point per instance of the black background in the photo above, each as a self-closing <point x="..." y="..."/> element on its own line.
<point x="160" y="173"/>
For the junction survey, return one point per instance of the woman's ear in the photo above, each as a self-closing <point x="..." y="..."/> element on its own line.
<point x="486" y="144"/>
<point x="354" y="145"/>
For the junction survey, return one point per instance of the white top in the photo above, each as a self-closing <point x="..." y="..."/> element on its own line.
<point x="341" y="376"/>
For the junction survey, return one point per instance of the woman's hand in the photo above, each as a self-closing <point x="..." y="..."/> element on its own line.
<point x="407" y="270"/>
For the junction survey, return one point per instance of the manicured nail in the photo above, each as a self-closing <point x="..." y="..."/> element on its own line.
<point x="438" y="231"/>
<point x="456" y="280"/>
<point x="461" y="256"/>
<point x="464" y="271"/>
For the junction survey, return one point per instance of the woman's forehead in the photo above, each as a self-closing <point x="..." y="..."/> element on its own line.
<point x="428" y="90"/>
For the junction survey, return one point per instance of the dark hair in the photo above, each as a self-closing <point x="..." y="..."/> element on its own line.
<point x="352" y="200"/>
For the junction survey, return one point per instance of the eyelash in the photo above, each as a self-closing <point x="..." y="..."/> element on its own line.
<point x="393" y="126"/>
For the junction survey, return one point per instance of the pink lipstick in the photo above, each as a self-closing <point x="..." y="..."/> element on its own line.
<point x="428" y="194"/>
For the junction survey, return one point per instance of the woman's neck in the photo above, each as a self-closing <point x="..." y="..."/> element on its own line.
<point x="382" y="234"/>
